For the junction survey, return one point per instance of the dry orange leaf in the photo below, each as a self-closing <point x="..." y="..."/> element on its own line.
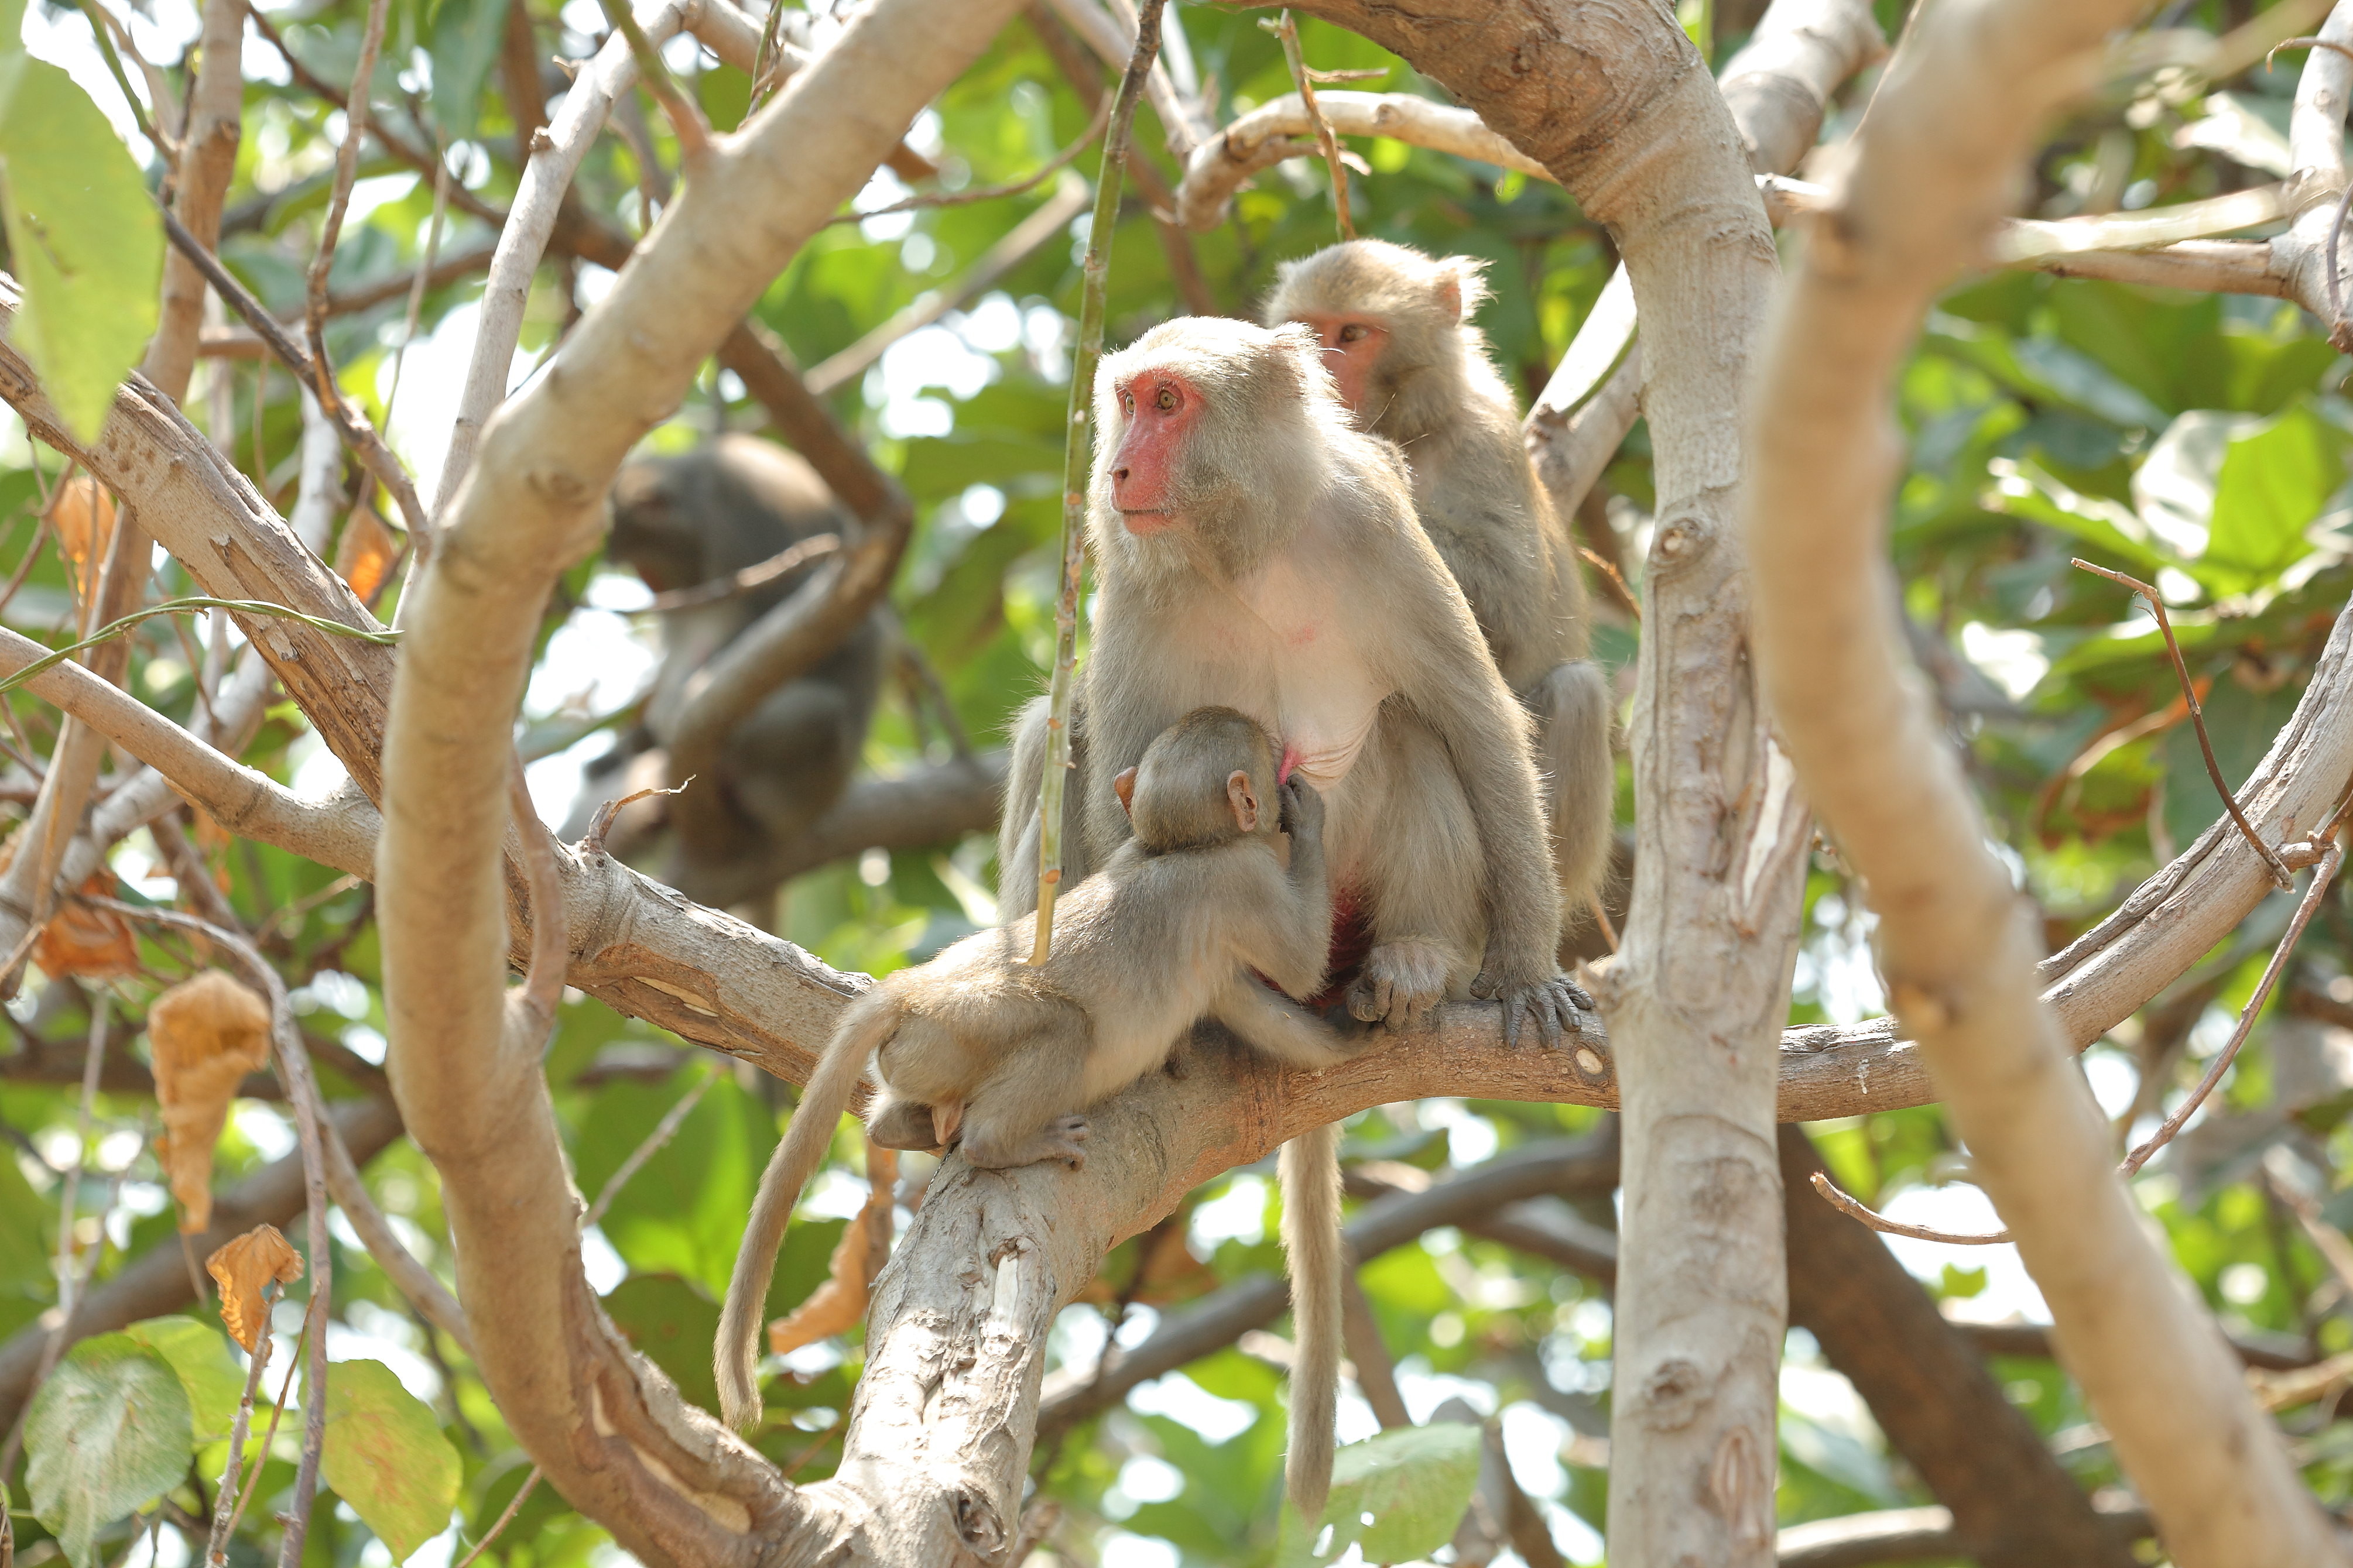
<point x="365" y="552"/>
<point x="96" y="944"/>
<point x="205" y="1034"/>
<point x="81" y="514"/>
<point x="836" y="1306"/>
<point x="242" y="1268"/>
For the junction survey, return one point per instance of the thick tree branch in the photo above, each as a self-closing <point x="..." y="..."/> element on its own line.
<point x="1953" y="120"/>
<point x="607" y="1430"/>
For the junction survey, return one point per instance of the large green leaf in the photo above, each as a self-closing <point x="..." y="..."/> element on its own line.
<point x="108" y="1434"/>
<point x="674" y="1325"/>
<point x="1400" y="1496"/>
<point x="684" y="1212"/>
<point x="2273" y="483"/>
<point x="83" y="236"/>
<point x="386" y="1456"/>
<point x="199" y="1354"/>
<point x="466" y="36"/>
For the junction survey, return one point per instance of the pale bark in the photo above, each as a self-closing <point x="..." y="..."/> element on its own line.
<point x="928" y="1463"/>
<point x="207" y="161"/>
<point x="1953" y="120"/>
<point x="1616" y="102"/>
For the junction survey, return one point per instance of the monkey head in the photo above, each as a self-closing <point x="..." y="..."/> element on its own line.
<point x="1210" y="778"/>
<point x="685" y="518"/>
<point x="1384" y="315"/>
<point x="1203" y="423"/>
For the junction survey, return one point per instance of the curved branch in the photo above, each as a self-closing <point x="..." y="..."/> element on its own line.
<point x="1955" y="118"/>
<point x="610" y="1433"/>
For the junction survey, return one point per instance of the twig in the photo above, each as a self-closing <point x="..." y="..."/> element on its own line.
<point x="180" y="606"/>
<point x="533" y="1005"/>
<point x="686" y="122"/>
<point x="2331" y="860"/>
<point x="1618" y="592"/>
<point x="92" y="10"/>
<point x="593" y="841"/>
<point x="347" y="169"/>
<point x="2197" y="715"/>
<point x="1046" y="171"/>
<point x="2305" y="44"/>
<point x="1095" y="274"/>
<point x="225" y="1510"/>
<point x="814" y="547"/>
<point x="357" y="433"/>
<point x="1287" y="29"/>
<point x="276" y="1414"/>
<point x="506" y="1517"/>
<point x="293" y="1063"/>
<point x="664" y="1131"/>
<point x="2326" y="1239"/>
<point x="1854" y="1208"/>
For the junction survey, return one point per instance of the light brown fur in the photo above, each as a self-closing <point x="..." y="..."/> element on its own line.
<point x="1428" y="383"/>
<point x="1289" y="578"/>
<point x="980" y="1048"/>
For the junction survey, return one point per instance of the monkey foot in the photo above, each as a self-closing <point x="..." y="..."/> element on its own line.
<point x="1064" y="1140"/>
<point x="1553" y="1005"/>
<point x="1401" y="981"/>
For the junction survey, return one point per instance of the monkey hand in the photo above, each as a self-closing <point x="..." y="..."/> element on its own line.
<point x="1303" y="808"/>
<point x="1551" y="1004"/>
<point x="1399" y="984"/>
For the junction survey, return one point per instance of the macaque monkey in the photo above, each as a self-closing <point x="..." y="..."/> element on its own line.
<point x="1224" y="875"/>
<point x="1253" y="548"/>
<point x="684" y="521"/>
<point x="1395" y="326"/>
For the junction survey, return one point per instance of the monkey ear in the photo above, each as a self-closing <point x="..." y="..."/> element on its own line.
<point x="1239" y="795"/>
<point x="1123" y="786"/>
<point x="1467" y="288"/>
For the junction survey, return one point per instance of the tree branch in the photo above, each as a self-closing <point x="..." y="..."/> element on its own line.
<point x="1958" y="108"/>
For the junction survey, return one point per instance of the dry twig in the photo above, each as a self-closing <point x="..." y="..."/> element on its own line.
<point x="2196" y="717"/>
<point x="1287" y="29"/>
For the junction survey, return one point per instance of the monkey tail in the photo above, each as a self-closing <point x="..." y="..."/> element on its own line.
<point x="1308" y="1171"/>
<point x="807" y="1138"/>
<point x="1575" y="718"/>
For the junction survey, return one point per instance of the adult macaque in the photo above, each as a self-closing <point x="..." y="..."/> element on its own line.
<point x="981" y="1050"/>
<point x="1395" y="326"/>
<point x="1254" y="549"/>
<point x="697" y="518"/>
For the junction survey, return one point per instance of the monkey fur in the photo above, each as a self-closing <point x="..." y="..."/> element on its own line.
<point x="682" y="520"/>
<point x="1254" y="549"/>
<point x="1396" y="329"/>
<point x="980" y="1050"/>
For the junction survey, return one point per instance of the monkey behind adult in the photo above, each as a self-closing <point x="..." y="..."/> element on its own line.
<point x="1255" y="550"/>
<point x="979" y="1049"/>
<point x="1395" y="325"/>
<point x="682" y="520"/>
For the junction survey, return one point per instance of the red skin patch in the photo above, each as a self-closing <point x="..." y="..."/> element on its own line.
<point x="1351" y="346"/>
<point x="1160" y="408"/>
<point x="1352" y="940"/>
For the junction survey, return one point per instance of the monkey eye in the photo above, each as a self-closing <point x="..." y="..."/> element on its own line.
<point x="1166" y="400"/>
<point x="1127" y="402"/>
<point x="1352" y="333"/>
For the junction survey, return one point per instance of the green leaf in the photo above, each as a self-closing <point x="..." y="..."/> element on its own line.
<point x="199" y="1354"/>
<point x="1400" y="1496"/>
<point x="674" y="1325"/>
<point x="466" y="36"/>
<point x="25" y="1218"/>
<point x="108" y="1434"/>
<point x="12" y="26"/>
<point x="84" y="238"/>
<point x="386" y="1456"/>
<point x="2273" y="483"/>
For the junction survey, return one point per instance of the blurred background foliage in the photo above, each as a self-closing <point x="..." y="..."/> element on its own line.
<point x="2200" y="443"/>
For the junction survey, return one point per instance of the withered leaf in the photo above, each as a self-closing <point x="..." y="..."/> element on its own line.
<point x="365" y="552"/>
<point x="836" y="1306"/>
<point x="82" y="515"/>
<point x="96" y="944"/>
<point x="241" y="1268"/>
<point x="205" y="1034"/>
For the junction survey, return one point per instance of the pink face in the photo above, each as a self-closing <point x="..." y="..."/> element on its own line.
<point x="1351" y="346"/>
<point x="1161" y="408"/>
